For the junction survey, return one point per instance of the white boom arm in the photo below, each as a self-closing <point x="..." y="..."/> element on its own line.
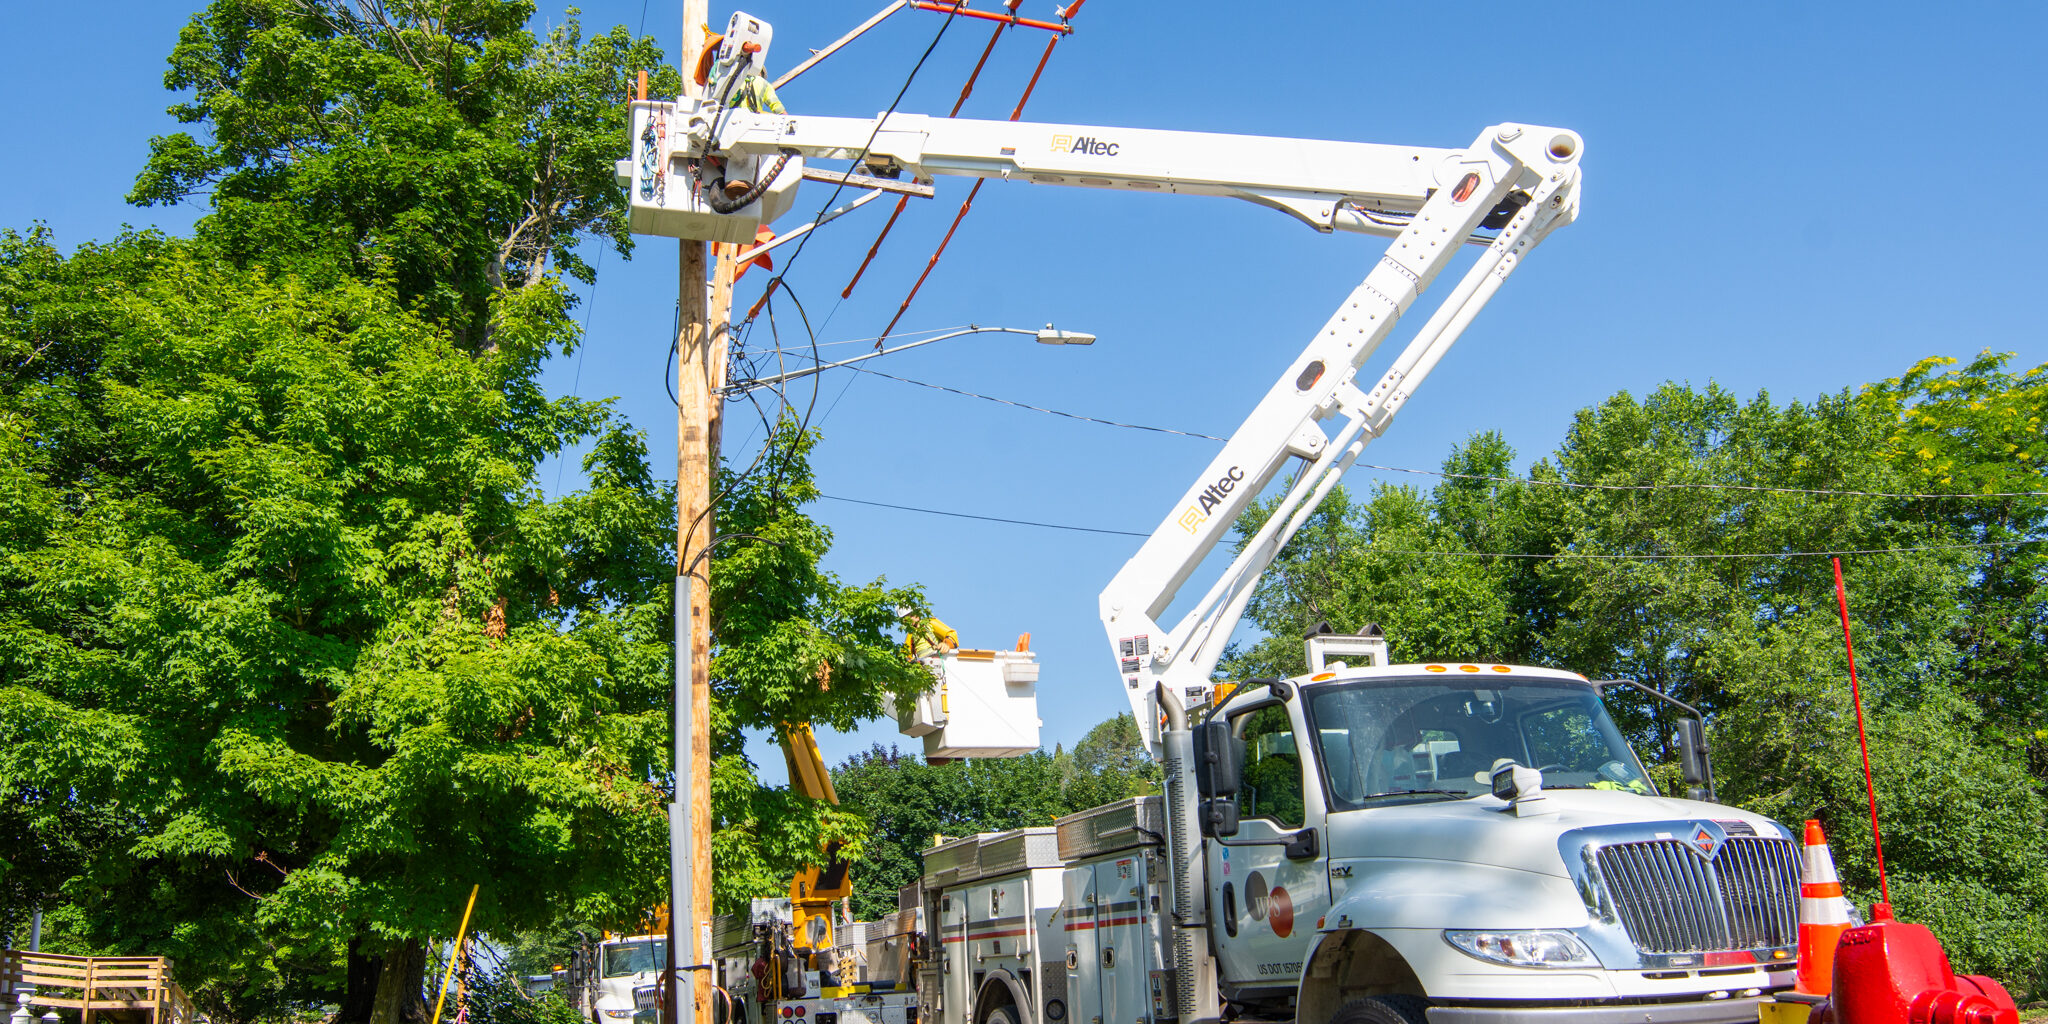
<point x="1518" y="180"/>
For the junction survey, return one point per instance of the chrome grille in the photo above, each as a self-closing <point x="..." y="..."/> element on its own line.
<point x="1760" y="891"/>
<point x="1672" y="900"/>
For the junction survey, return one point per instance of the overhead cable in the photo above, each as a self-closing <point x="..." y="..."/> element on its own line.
<point x="968" y="203"/>
<point x="1717" y="556"/>
<point x="1037" y="408"/>
<point x="1552" y="557"/>
<point x="991" y="519"/>
<point x="904" y="201"/>
<point x="1531" y="481"/>
<point x="1698" y="486"/>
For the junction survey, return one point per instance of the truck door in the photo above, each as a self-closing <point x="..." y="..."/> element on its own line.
<point x="1081" y="943"/>
<point x="1264" y="903"/>
<point x="1120" y="930"/>
<point x="956" y="986"/>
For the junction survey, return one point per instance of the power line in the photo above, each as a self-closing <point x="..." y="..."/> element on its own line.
<point x="1531" y="481"/>
<point x="991" y="519"/>
<point x="747" y="327"/>
<point x="865" y="341"/>
<point x="1602" y="556"/>
<point x="1556" y="556"/>
<point x="1697" y="486"/>
<point x="589" y="310"/>
<point x="1040" y="408"/>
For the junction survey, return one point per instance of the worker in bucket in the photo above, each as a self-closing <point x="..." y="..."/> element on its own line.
<point x="924" y="636"/>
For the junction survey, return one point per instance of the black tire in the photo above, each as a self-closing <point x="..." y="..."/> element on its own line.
<point x="1383" y="1010"/>
<point x="1004" y="1014"/>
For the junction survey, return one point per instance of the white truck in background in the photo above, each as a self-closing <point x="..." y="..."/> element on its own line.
<point x="623" y="972"/>
<point x="1367" y="843"/>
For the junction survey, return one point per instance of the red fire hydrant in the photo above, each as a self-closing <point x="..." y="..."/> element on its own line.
<point x="1892" y="972"/>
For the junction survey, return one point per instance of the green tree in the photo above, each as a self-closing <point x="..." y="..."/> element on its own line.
<point x="440" y="146"/>
<point x="1972" y="432"/>
<point x="449" y="159"/>
<point x="295" y="650"/>
<point x="1110" y="763"/>
<point x="1407" y="562"/>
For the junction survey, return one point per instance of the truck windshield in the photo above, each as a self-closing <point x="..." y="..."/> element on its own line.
<point x="623" y="958"/>
<point x="1433" y="738"/>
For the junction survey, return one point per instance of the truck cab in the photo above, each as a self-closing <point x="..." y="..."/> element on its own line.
<point x="1480" y="837"/>
<point x="626" y="966"/>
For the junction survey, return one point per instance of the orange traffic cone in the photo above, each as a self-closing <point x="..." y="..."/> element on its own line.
<point x="1823" y="914"/>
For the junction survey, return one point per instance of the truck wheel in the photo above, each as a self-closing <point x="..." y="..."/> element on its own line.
<point x="1382" y="1010"/>
<point x="1001" y="1015"/>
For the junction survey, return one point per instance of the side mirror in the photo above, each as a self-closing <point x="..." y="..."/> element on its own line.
<point x="1219" y="816"/>
<point x="1694" y="762"/>
<point x="1219" y="760"/>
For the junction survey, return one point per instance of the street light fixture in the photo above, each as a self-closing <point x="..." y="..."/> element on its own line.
<point x="1047" y="335"/>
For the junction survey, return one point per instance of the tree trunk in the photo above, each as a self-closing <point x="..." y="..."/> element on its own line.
<point x="401" y="985"/>
<point x="359" y="997"/>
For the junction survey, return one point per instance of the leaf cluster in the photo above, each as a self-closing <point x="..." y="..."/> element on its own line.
<point x="294" y="648"/>
<point x="443" y="146"/>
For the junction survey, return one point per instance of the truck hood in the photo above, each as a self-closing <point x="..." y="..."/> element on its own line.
<point x="1484" y="830"/>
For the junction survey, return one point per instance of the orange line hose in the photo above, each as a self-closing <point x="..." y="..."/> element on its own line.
<point x="965" y="91"/>
<point x="1029" y="87"/>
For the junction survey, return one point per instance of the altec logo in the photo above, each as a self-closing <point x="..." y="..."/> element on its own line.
<point x="1213" y="494"/>
<point x="1085" y="144"/>
<point x="1210" y="497"/>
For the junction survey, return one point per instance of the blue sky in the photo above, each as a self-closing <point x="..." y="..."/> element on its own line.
<point x="1791" y="198"/>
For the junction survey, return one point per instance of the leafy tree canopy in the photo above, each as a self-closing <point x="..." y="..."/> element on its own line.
<point x="295" y="649"/>
<point x="441" y="146"/>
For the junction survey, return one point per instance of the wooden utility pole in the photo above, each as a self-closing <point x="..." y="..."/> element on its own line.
<point x="700" y="372"/>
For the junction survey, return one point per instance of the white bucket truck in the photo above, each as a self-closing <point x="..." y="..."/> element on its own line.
<point x="1361" y="859"/>
<point x="1367" y="843"/>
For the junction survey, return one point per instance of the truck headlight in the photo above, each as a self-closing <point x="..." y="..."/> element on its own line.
<point x="1524" y="948"/>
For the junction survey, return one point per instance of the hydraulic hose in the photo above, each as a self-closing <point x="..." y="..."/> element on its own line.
<point x="1189" y="946"/>
<point x="723" y="204"/>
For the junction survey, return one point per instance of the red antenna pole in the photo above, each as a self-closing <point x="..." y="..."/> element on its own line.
<point x="1856" y="694"/>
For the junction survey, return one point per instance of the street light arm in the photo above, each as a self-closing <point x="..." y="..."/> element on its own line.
<point x="762" y="382"/>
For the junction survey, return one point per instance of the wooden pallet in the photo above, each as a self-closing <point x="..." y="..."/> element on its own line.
<point x="130" y="985"/>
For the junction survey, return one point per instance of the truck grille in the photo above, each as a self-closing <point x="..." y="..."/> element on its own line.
<point x="1672" y="900"/>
